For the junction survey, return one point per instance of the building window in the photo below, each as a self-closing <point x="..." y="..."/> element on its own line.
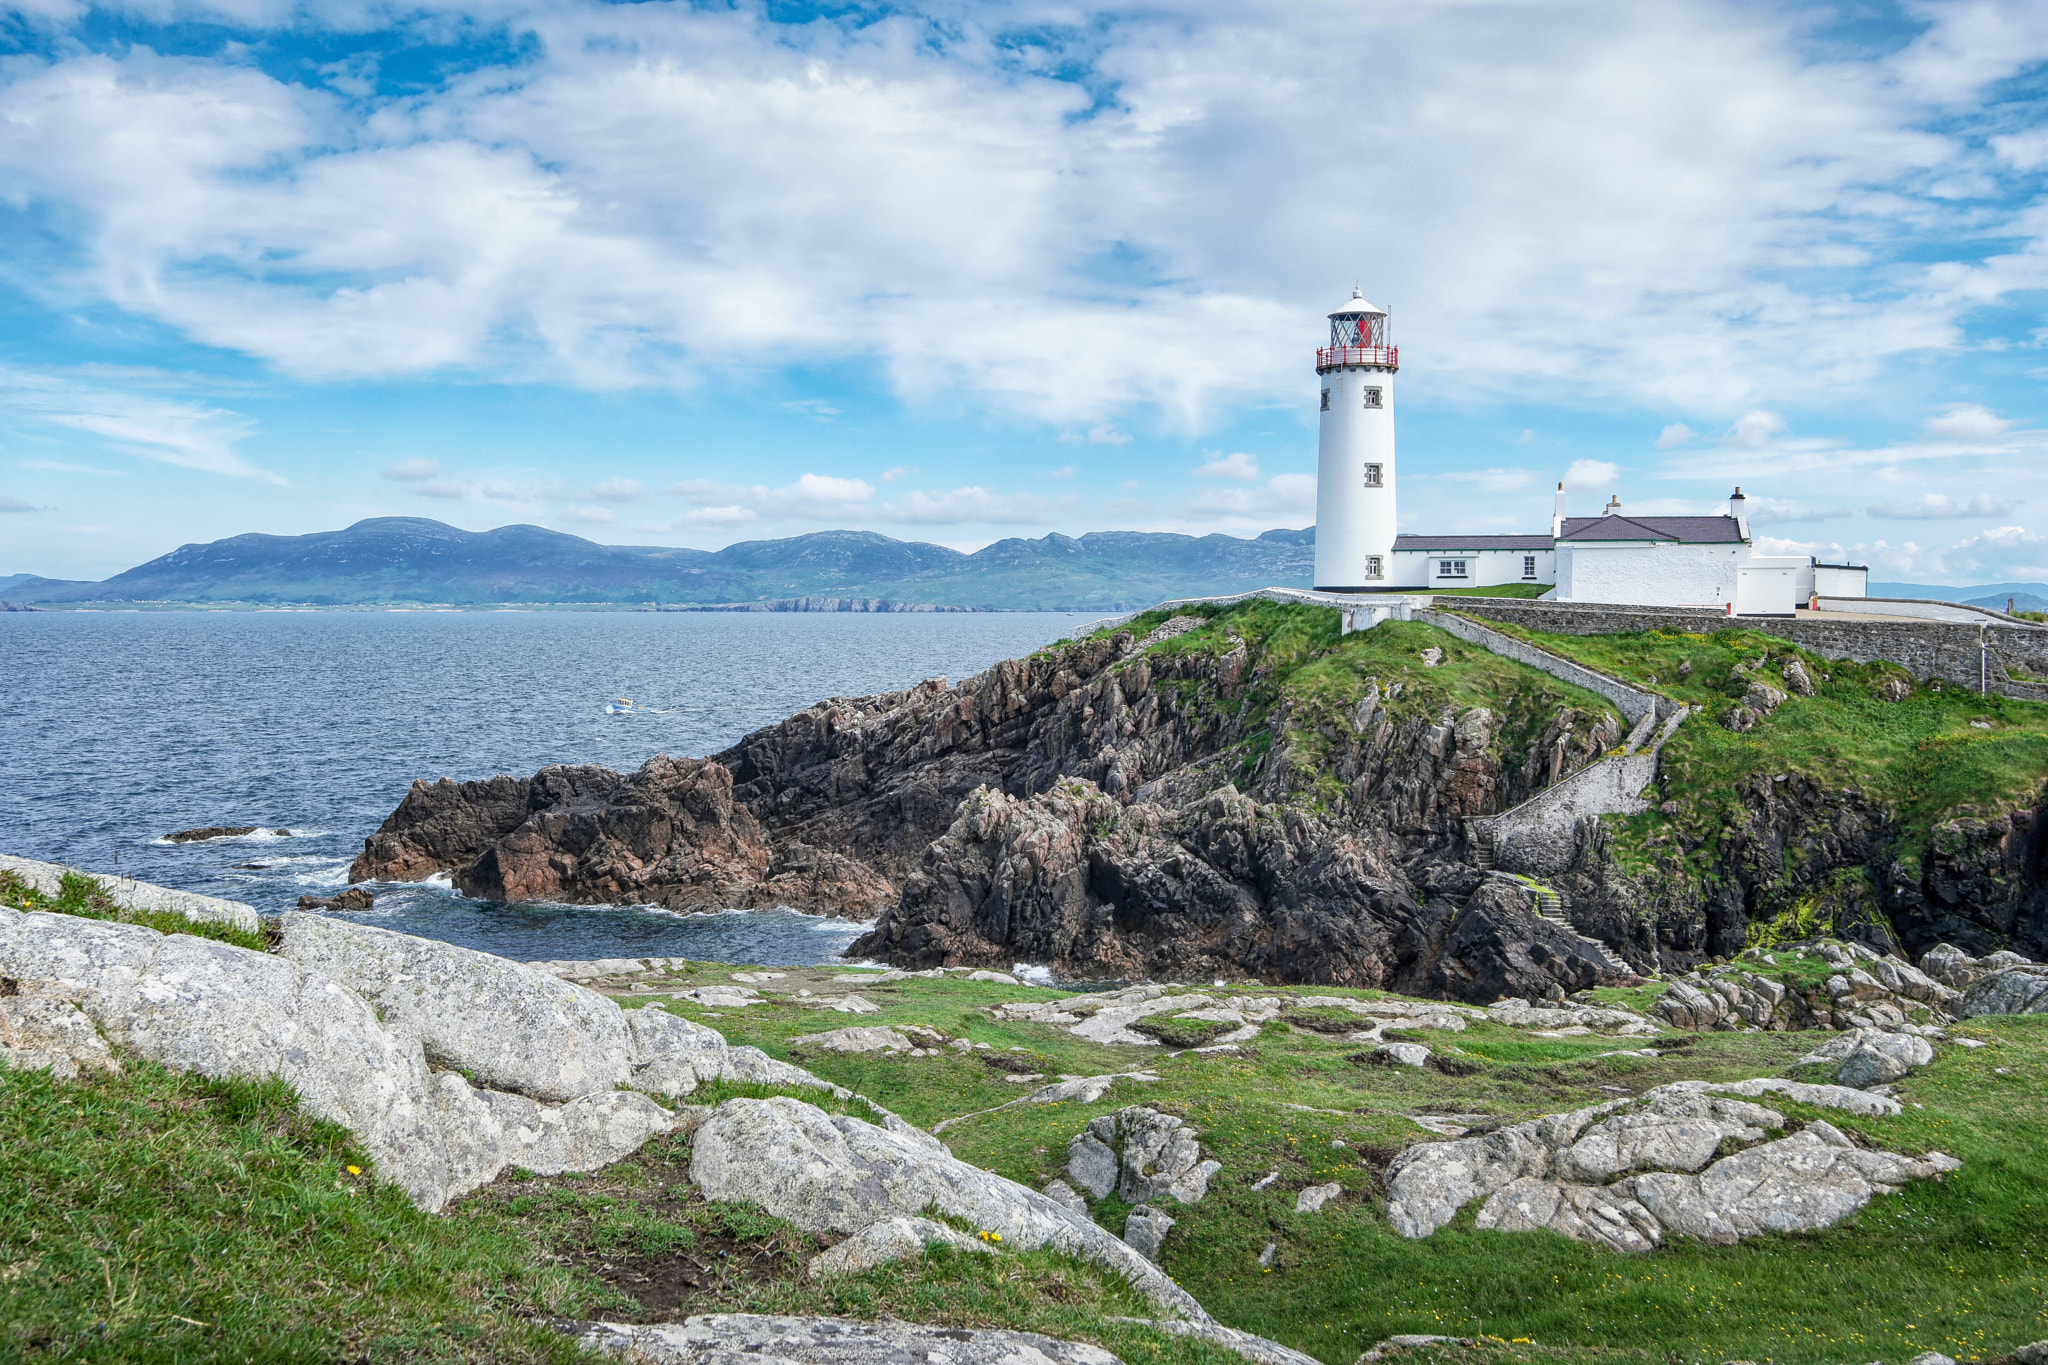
<point x="1372" y="476"/>
<point x="1326" y="400"/>
<point x="1372" y="566"/>
<point x="1373" y="398"/>
<point x="1450" y="568"/>
<point x="1528" y="566"/>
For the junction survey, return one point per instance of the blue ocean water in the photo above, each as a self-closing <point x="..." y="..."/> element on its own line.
<point x="121" y="727"/>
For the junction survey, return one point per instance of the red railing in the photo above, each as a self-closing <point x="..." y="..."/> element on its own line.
<point x="1331" y="357"/>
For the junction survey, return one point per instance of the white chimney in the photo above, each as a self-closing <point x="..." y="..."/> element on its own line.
<point x="1613" y="508"/>
<point x="1557" y="514"/>
<point x="1737" y="508"/>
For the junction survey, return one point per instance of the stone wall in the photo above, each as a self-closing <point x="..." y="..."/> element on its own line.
<point x="1539" y="836"/>
<point x="1630" y="701"/>
<point x="1926" y="649"/>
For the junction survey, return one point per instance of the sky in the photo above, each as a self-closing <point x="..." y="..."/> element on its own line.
<point x="665" y="274"/>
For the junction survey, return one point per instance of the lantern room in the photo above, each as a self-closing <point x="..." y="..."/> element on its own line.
<point x="1358" y="336"/>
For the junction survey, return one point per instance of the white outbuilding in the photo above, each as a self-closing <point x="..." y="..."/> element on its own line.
<point x="1709" y="562"/>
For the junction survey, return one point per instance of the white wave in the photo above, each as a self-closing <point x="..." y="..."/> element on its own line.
<point x="1032" y="974"/>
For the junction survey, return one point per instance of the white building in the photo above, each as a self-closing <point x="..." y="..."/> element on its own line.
<point x="1706" y="562"/>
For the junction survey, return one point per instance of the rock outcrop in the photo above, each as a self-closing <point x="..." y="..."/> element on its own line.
<point x="1080" y="807"/>
<point x="738" y="1338"/>
<point x="1627" y="1173"/>
<point x="127" y="894"/>
<point x="374" y="1031"/>
<point x="835" y="1174"/>
<point x="1142" y="1155"/>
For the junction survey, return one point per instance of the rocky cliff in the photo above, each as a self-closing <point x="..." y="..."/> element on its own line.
<point x="1244" y="795"/>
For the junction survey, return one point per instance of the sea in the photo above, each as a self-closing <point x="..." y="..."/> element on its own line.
<point x="122" y="727"/>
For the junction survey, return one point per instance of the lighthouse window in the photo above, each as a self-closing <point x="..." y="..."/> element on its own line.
<point x="1326" y="400"/>
<point x="1372" y="398"/>
<point x="1372" y="566"/>
<point x="1450" y="568"/>
<point x="1528" y="566"/>
<point x="1372" y="476"/>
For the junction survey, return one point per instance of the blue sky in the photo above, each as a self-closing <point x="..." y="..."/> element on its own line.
<point x="664" y="274"/>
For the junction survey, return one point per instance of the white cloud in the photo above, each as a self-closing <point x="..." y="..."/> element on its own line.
<point x="815" y="408"/>
<point x="1280" y="498"/>
<point x="1591" y="476"/>
<point x="589" y="513"/>
<point x="899" y="472"/>
<point x="1755" y="430"/>
<point x="729" y="515"/>
<point x="1651" y="200"/>
<point x="1677" y="434"/>
<point x="1065" y="471"/>
<point x="443" y="488"/>
<point x="1967" y="422"/>
<point x="1495" y="480"/>
<point x="1238" y="465"/>
<point x="619" y="490"/>
<point x="812" y="496"/>
<point x="1764" y="511"/>
<point x="146" y="425"/>
<point x="8" y="504"/>
<point x="413" y="470"/>
<point x="1941" y="507"/>
<point x="970" y="505"/>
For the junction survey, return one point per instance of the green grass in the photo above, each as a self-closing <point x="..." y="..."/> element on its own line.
<point x="164" y="1217"/>
<point x="1522" y="590"/>
<point x="1301" y="668"/>
<point x="1921" y="757"/>
<point x="79" y="894"/>
<point x="1962" y="1253"/>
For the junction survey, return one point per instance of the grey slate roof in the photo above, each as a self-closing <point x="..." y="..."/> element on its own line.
<point x="1684" y="530"/>
<point x="1472" y="543"/>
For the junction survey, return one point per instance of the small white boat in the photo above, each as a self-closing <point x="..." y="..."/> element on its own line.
<point x="626" y="706"/>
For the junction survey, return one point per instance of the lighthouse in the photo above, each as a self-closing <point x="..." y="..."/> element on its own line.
<point x="1355" y="452"/>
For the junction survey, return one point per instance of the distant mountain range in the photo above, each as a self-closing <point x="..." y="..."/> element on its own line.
<point x="2022" y="596"/>
<point x="408" y="560"/>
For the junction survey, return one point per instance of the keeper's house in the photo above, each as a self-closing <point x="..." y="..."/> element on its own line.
<point x="1631" y="561"/>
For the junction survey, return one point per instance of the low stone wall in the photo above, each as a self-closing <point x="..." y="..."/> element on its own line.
<point x="1971" y="656"/>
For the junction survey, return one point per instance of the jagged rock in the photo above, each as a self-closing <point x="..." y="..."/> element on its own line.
<point x="1145" y="1230"/>
<point x="727" y="997"/>
<point x="875" y="1039"/>
<point x="1879" y="1058"/>
<point x="1797" y="1184"/>
<point x="2016" y="990"/>
<point x="487" y="1131"/>
<point x="127" y="894"/>
<point x="514" y="1028"/>
<point x="1581" y="1212"/>
<point x="1067" y="1197"/>
<point x="49" y="1033"/>
<point x="892" y="1239"/>
<point x="1841" y="1097"/>
<point x="740" y="1338"/>
<point x="1403" y="1054"/>
<point x="192" y="836"/>
<point x="1797" y="680"/>
<point x="673" y="1056"/>
<point x="1312" y="1199"/>
<point x="197" y="1005"/>
<point x="1558" y="1172"/>
<point x="355" y="898"/>
<point x="834" y="1174"/>
<point x="669" y="834"/>
<point x="1143" y="1154"/>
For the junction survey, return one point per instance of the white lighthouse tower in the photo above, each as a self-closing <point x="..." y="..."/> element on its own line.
<point x="1355" y="453"/>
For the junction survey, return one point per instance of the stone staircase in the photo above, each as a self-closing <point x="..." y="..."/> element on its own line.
<point x="1555" y="906"/>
